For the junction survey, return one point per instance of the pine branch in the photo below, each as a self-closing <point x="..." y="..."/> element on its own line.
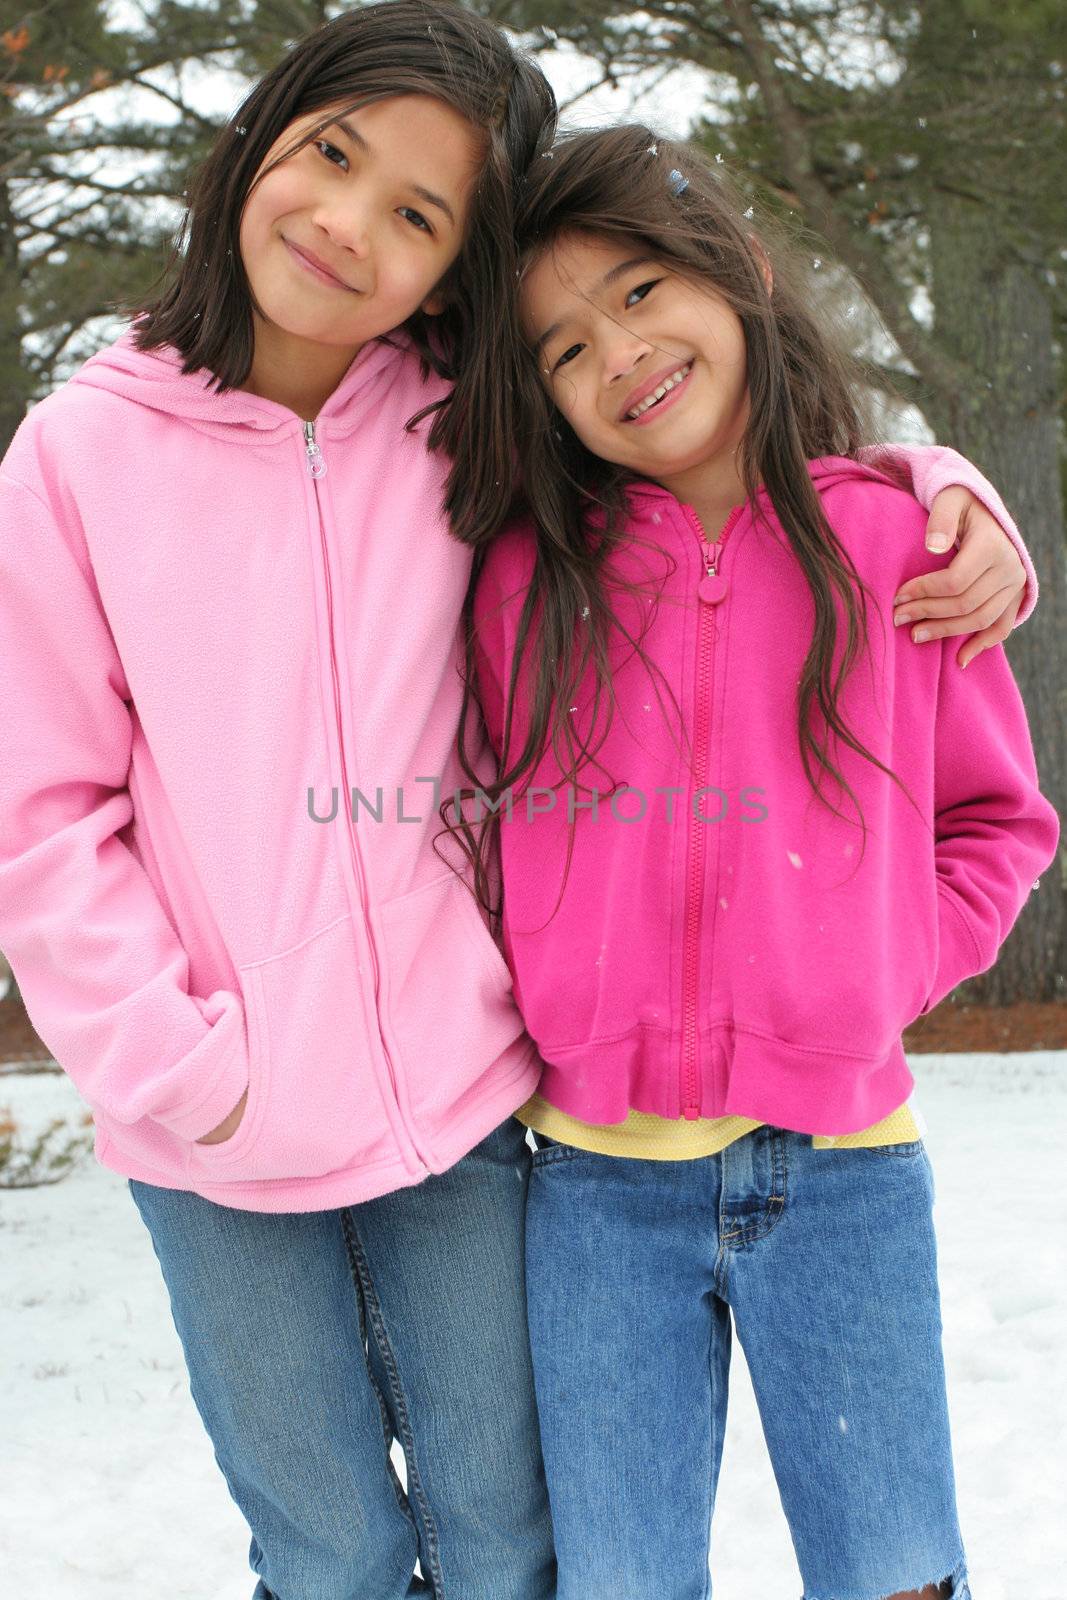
<point x="799" y="168"/>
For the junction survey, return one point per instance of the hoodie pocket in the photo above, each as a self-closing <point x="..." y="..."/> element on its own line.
<point x="314" y="1105"/>
<point x="446" y="995"/>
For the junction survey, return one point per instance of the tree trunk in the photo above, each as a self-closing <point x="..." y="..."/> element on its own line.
<point x="993" y="313"/>
<point x="14" y="381"/>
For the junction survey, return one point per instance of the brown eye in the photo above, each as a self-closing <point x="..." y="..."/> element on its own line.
<point x="324" y="145"/>
<point x="409" y="212"/>
<point x="642" y="290"/>
<point x="568" y="355"/>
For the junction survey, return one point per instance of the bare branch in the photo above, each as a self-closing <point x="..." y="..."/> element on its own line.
<point x="606" y="79"/>
<point x="169" y="58"/>
<point x="135" y="190"/>
<point x="175" y="100"/>
<point x="45" y="362"/>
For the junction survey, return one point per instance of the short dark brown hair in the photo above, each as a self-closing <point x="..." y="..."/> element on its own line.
<point x="370" y="53"/>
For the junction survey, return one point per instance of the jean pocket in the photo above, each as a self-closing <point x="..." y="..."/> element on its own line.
<point x="314" y="1105"/>
<point x="551" y="1150"/>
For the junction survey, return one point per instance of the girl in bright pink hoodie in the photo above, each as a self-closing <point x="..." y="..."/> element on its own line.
<point x="230" y="590"/>
<point x="747" y="834"/>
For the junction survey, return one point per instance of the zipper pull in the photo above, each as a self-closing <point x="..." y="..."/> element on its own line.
<point x="316" y="461"/>
<point x="712" y="589"/>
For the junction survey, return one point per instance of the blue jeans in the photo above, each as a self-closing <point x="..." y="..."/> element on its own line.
<point x="826" y="1260"/>
<point x="313" y="1339"/>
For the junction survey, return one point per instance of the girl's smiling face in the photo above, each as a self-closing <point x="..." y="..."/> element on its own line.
<point x="348" y="237"/>
<point x="611" y="328"/>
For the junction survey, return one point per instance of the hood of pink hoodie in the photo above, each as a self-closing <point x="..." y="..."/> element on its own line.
<point x="154" y="379"/>
<point x="234" y="692"/>
<point x="691" y="933"/>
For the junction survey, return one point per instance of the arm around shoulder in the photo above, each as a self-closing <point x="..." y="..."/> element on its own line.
<point x="927" y="470"/>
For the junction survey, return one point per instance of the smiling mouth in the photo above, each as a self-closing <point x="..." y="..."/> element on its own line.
<point x="657" y="395"/>
<point x="316" y="268"/>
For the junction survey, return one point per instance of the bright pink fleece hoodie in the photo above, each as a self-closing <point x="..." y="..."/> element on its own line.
<point x="738" y="950"/>
<point x="194" y="632"/>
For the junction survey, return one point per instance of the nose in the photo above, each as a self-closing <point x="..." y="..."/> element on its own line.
<point x="622" y="352"/>
<point x="346" y="224"/>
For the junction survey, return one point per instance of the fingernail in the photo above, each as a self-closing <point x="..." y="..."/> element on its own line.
<point x="905" y="616"/>
<point x="939" y="543"/>
<point x="920" y="634"/>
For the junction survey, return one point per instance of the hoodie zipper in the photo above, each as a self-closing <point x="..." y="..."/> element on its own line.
<point x="316" y="467"/>
<point x="711" y="591"/>
<point x="316" y="461"/>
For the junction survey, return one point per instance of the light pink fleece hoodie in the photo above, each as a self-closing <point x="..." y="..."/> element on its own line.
<point x="723" y="944"/>
<point x="195" y="631"/>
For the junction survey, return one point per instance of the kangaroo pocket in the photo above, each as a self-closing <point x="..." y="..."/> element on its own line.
<point x="446" y="995"/>
<point x="314" y="1105"/>
<point x="848" y="980"/>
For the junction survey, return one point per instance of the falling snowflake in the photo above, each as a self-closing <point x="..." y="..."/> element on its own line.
<point x="794" y="859"/>
<point x="751" y="212"/>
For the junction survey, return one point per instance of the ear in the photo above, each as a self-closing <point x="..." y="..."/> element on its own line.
<point x="766" y="272"/>
<point x="433" y="305"/>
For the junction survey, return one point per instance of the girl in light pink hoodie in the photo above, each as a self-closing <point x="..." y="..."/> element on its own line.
<point x="747" y="834"/>
<point x="230" y="588"/>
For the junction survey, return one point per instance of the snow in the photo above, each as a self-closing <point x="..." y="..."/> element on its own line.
<point x="112" y="1489"/>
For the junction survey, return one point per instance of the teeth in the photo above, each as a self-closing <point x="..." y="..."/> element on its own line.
<point x="650" y="399"/>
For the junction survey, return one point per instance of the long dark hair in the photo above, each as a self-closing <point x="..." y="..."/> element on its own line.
<point x="629" y="185"/>
<point x="369" y="53"/>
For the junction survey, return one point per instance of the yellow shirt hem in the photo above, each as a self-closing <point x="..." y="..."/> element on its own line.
<point x="650" y="1138"/>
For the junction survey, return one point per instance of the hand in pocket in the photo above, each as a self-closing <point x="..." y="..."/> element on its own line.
<point x="229" y="1126"/>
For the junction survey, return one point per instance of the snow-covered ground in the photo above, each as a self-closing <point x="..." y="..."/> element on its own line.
<point x="111" y="1491"/>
